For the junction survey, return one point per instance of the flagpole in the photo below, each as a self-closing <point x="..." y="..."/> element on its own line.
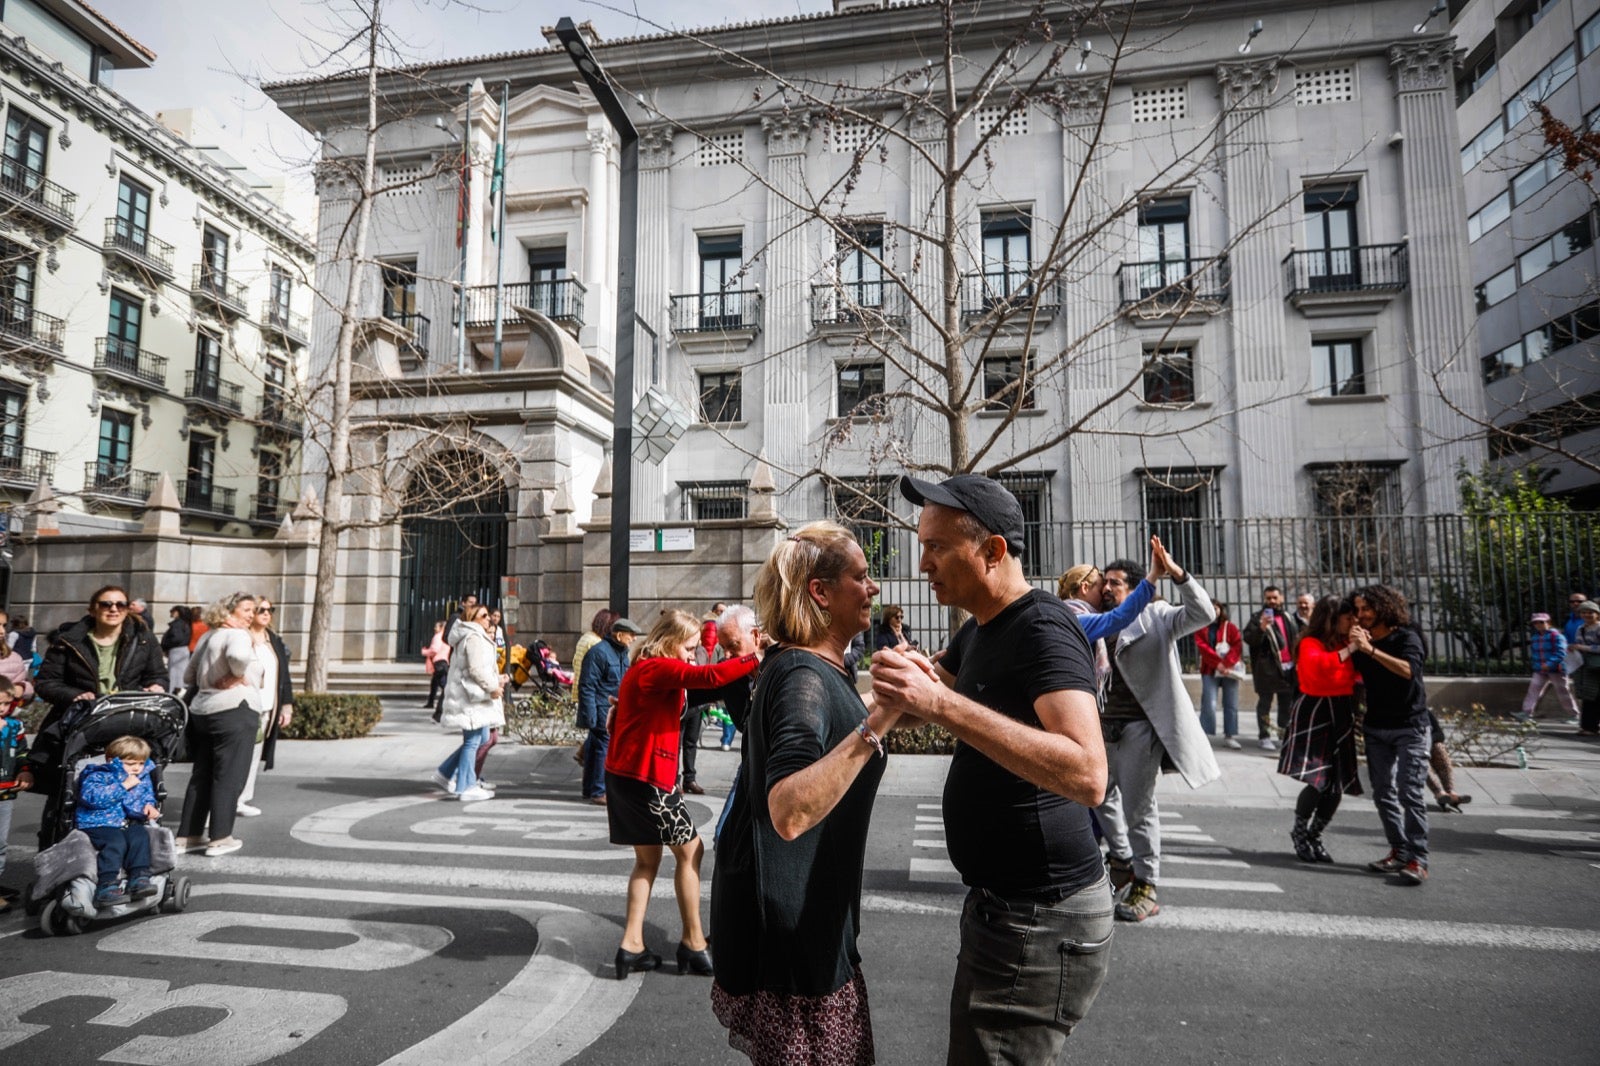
<point x="500" y="241"/>
<point x="464" y="176"/>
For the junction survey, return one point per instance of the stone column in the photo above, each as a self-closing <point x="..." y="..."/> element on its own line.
<point x="784" y="322"/>
<point x="597" y="257"/>
<point x="652" y="269"/>
<point x="1094" y="472"/>
<point x="1443" y="360"/>
<point x="926" y="436"/>
<point x="1264" y="476"/>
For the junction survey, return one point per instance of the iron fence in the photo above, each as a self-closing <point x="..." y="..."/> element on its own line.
<point x="1472" y="581"/>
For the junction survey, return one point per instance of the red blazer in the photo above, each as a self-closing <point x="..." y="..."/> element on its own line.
<point x="1227" y="633"/>
<point x="644" y="734"/>
<point x="1320" y="671"/>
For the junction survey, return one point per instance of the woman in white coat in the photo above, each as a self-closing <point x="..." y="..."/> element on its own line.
<point x="471" y="704"/>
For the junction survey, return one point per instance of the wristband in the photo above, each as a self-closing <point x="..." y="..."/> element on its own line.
<point x="871" y="738"/>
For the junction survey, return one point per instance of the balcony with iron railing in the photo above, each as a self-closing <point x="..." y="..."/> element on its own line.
<point x="25" y="466"/>
<point x="136" y="248"/>
<point x="274" y="413"/>
<point x="290" y="328"/>
<point x="125" y="361"/>
<point x="560" y="301"/>
<point x="729" y="311"/>
<point x="848" y="306"/>
<point x="27" y="190"/>
<point x="118" y="481"/>
<point x="205" y="499"/>
<point x="211" y="290"/>
<point x="1346" y="279"/>
<point x="419" y="327"/>
<point x="1013" y="294"/>
<point x="210" y="391"/>
<point x="269" y="508"/>
<point x="25" y="331"/>
<point x="1174" y="287"/>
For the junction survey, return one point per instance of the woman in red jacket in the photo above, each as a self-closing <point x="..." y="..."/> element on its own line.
<point x="1221" y="648"/>
<point x="644" y="805"/>
<point x="1320" y="747"/>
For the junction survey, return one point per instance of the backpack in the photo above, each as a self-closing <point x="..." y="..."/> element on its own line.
<point x="13" y="748"/>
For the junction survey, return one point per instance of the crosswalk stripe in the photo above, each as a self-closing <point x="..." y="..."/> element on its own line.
<point x="1381" y="930"/>
<point x="1207" y="885"/>
<point x="1181" y="830"/>
<point x="930" y="806"/>
<point x="942" y="870"/>
<point x="1196" y="860"/>
<point x="1185" y="847"/>
<point x="928" y="844"/>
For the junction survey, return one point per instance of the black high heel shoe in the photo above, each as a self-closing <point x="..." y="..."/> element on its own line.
<point x="639" y="961"/>
<point x="695" y="962"/>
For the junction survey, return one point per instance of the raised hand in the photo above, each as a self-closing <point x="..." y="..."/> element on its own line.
<point x="1158" y="562"/>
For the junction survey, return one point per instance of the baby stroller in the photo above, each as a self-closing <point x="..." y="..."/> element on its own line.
<point x="539" y="665"/>
<point x="62" y="892"/>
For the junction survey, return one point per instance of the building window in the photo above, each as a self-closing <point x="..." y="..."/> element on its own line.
<point x="1357" y="509"/>
<point x="865" y="506"/>
<point x="1181" y="506"/>
<point x="269" y="484"/>
<point x="1008" y="382"/>
<point x="13" y="404"/>
<point x="1328" y="85"/>
<point x="717" y="149"/>
<point x="1589" y="37"/>
<point x="1486" y="141"/>
<point x="202" y="471"/>
<point x="133" y="214"/>
<point x="1548" y="426"/>
<point x="860" y="268"/>
<point x="274" y="390"/>
<point x="398" y="281"/>
<point x="860" y="389"/>
<point x="1557" y="248"/>
<point x="1334" y="262"/>
<point x="213" y="259"/>
<point x="1535" y="177"/>
<point x="1518" y="19"/>
<point x="207" y="364"/>
<point x="1497" y="288"/>
<point x="1339" y="368"/>
<point x="547" y="269"/>
<point x="1163" y="244"/>
<point x="1489" y="216"/>
<point x="1477" y="70"/>
<point x="1007" y="254"/>
<point x="1169" y="375"/>
<point x="279" y="288"/>
<point x="714" y="501"/>
<point x="1162" y="104"/>
<point x="122" y="332"/>
<point x="849" y="136"/>
<point x="116" y="444"/>
<point x="1540" y="87"/>
<point x="721" y="397"/>
<point x="1574" y="327"/>
<point x="27" y="145"/>
<point x="721" y="274"/>
<point x="19" y="270"/>
<point x="45" y="31"/>
<point x="1032" y="491"/>
<point x="993" y="117"/>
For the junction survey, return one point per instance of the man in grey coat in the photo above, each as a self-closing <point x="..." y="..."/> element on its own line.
<point x="1147" y="717"/>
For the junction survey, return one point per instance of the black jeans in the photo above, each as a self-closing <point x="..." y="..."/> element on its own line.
<point x="222" y="745"/>
<point x="119" y="847"/>
<point x="689" y="741"/>
<point x="441" y="673"/>
<point x="1264" y="700"/>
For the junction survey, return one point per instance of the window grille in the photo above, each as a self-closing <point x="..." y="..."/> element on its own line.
<point x="994" y="117"/>
<point x="1356" y="530"/>
<point x="1329" y="85"/>
<point x="849" y="136"/>
<point x="401" y="181"/>
<point x="1181" y="507"/>
<point x="717" y="149"/>
<point x="865" y="506"/>
<point x="714" y="501"/>
<point x="1161" y="104"/>
<point x="1032" y="491"/>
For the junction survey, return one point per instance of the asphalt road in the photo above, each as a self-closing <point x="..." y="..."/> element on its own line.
<point x="370" y="921"/>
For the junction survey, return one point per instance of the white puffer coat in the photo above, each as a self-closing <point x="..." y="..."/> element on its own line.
<point x="469" y="701"/>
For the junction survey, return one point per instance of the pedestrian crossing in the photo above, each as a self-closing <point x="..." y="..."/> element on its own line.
<point x="1184" y="846"/>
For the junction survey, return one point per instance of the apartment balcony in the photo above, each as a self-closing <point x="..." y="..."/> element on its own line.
<point x="289" y="328"/>
<point x="1159" y="293"/>
<point x="200" y="498"/>
<point x="416" y="332"/>
<point x="1012" y="297"/>
<point x="123" y="361"/>
<point x="27" y="192"/>
<point x="211" y="393"/>
<point x="560" y="301"/>
<point x="25" y="467"/>
<point x="135" y="248"/>
<point x="269" y="509"/>
<point x="1342" y="281"/>
<point x="212" y="291"/>
<point x="726" y="321"/>
<point x="118" y="482"/>
<point x="852" y="307"/>
<point x="24" y="331"/>
<point x="273" y="413"/>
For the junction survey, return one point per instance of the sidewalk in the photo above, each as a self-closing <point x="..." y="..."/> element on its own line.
<point x="1563" y="776"/>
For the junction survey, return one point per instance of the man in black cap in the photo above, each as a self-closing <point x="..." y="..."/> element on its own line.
<point x="1017" y="688"/>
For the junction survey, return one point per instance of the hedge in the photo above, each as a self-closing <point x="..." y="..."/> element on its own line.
<point x="540" y="718"/>
<point x="332" y="716"/>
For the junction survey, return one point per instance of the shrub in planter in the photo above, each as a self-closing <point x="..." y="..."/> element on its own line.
<point x="332" y="716"/>
<point x="541" y="718"/>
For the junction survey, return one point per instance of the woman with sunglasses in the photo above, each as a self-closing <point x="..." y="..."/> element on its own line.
<point x="104" y="652"/>
<point x="274" y="700"/>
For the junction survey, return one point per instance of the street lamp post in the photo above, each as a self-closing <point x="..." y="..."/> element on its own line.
<point x="627" y="238"/>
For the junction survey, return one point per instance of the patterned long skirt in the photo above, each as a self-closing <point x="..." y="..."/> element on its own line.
<point x="776" y="1029"/>
<point x="1320" y="748"/>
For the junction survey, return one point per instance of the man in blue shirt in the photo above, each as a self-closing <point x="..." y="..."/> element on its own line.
<point x="1574" y="620"/>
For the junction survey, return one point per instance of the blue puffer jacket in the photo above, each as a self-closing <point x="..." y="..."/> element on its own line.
<point x="102" y="801"/>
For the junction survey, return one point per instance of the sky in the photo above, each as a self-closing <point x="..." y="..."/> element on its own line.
<point x="214" y="56"/>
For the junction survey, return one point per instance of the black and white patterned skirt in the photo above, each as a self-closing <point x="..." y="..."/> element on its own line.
<point x="640" y="813"/>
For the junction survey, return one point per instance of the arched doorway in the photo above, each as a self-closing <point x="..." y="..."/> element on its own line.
<point x="453" y="539"/>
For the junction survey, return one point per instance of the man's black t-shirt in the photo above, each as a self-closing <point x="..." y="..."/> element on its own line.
<point x="1394" y="702"/>
<point x="1006" y="834"/>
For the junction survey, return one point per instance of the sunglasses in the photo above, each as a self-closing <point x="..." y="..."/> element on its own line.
<point x="263" y="610"/>
<point x="112" y="605"/>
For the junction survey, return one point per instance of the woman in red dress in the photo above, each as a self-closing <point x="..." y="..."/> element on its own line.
<point x="1320" y="747"/>
<point x="644" y="804"/>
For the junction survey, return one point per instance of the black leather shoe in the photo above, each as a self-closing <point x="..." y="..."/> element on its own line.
<point x="695" y="962"/>
<point x="636" y="962"/>
<point x="694" y="789"/>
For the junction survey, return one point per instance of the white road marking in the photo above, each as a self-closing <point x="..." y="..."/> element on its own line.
<point x="1198" y="860"/>
<point x="938" y="870"/>
<point x="1180" y="830"/>
<point x="928" y="844"/>
<point x="543" y="828"/>
<point x="378" y="946"/>
<point x="1263" y="887"/>
<point x="1183" y="847"/>
<point x="1554" y="836"/>
<point x="1381" y="930"/>
<point x="332" y="828"/>
<point x="930" y="806"/>
<point x="928" y="819"/>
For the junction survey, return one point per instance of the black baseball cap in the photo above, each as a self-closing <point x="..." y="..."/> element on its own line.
<point x="983" y="498"/>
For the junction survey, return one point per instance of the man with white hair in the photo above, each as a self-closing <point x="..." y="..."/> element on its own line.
<point x="738" y="634"/>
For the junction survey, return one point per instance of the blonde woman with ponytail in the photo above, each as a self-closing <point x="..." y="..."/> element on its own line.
<point x="786" y="893"/>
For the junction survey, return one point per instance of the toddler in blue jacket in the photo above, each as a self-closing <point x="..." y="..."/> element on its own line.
<point x="115" y="801"/>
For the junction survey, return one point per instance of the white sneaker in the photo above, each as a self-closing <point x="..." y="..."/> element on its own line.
<point x="1232" y="743"/>
<point x="489" y="785"/>
<point x="244" y="810"/>
<point x="727" y="747"/>
<point x="223" y="847"/>
<point x="474" y="794"/>
<point x="444" y="782"/>
<point x="1268" y="744"/>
